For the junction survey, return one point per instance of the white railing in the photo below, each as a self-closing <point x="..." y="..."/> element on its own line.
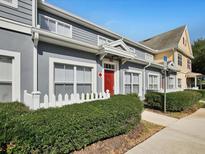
<point x="33" y="100"/>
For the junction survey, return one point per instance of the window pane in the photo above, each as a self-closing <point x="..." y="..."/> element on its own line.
<point x="44" y="23"/>
<point x="88" y="75"/>
<point x="136" y="89"/>
<point x="127" y="78"/>
<point x="128" y="89"/>
<point x="5" y="69"/>
<point x="59" y="89"/>
<point x="135" y="78"/>
<point x="67" y="30"/>
<point x="52" y="25"/>
<point x="5" y="92"/>
<point x="61" y="28"/>
<point x="59" y="74"/>
<point x="69" y="74"/>
<point x="84" y="88"/>
<point x="80" y="74"/>
<point x="69" y="89"/>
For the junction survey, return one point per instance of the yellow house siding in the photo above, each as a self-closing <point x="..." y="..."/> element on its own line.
<point x="159" y="57"/>
<point x="183" y="68"/>
<point x="184" y="44"/>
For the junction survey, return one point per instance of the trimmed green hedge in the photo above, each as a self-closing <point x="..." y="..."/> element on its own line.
<point x="176" y="101"/>
<point x="200" y="91"/>
<point x="63" y="130"/>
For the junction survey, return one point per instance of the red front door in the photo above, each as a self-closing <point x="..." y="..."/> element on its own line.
<point x="109" y="81"/>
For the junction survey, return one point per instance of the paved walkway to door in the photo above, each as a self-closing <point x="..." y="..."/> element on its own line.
<point x="185" y="136"/>
<point x="158" y="118"/>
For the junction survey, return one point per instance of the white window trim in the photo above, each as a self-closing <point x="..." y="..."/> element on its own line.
<point x="99" y="36"/>
<point x="16" y="73"/>
<point x="158" y="76"/>
<point x="140" y="80"/>
<point x="52" y="61"/>
<point x="116" y="75"/>
<point x="174" y="77"/>
<point x="14" y="3"/>
<point x="56" y="26"/>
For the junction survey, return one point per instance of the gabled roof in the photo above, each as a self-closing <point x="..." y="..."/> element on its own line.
<point x="165" y="40"/>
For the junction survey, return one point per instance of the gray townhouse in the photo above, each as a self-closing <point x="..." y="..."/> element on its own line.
<point x="48" y="50"/>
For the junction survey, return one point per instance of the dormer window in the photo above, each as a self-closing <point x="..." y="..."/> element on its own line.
<point x="12" y="3"/>
<point x="103" y="40"/>
<point x="55" y="26"/>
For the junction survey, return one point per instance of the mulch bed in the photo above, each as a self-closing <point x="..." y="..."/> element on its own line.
<point x="123" y="143"/>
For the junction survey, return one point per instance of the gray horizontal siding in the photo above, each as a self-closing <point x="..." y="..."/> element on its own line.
<point x="83" y="35"/>
<point x="87" y="35"/>
<point x="21" y="14"/>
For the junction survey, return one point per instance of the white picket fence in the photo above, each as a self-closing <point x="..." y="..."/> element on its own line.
<point x="33" y="100"/>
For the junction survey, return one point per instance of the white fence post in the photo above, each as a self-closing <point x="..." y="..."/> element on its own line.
<point x="66" y="100"/>
<point x="36" y="100"/>
<point x="45" y="100"/>
<point x="59" y="101"/>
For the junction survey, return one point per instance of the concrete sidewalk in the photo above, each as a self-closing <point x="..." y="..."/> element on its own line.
<point x="185" y="136"/>
<point x="158" y="118"/>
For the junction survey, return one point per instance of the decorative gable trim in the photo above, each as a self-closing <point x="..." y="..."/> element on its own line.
<point x="119" y="43"/>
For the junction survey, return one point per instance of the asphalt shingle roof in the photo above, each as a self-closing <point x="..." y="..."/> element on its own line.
<point x="165" y="40"/>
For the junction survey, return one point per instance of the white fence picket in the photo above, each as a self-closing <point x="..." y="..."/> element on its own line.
<point x="33" y="100"/>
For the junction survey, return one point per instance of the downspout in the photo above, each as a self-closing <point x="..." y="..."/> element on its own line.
<point x="144" y="81"/>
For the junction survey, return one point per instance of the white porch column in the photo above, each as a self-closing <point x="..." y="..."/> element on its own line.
<point x="195" y="81"/>
<point x="35" y="62"/>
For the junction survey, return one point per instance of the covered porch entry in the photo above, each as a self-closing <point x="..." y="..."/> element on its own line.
<point x="193" y="80"/>
<point x="112" y="55"/>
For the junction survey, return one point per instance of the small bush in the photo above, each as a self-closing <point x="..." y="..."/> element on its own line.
<point x="176" y="101"/>
<point x="154" y="100"/>
<point x="72" y="127"/>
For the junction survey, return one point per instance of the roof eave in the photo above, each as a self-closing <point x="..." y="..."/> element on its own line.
<point x="60" y="12"/>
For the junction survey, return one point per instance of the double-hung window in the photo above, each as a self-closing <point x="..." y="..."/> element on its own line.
<point x="171" y="82"/>
<point x="179" y="59"/>
<point x="189" y="64"/>
<point x="84" y="80"/>
<point x="5" y="78"/>
<point x="65" y="83"/>
<point x="131" y="83"/>
<point x="179" y="83"/>
<point x="55" y="26"/>
<point x="12" y="3"/>
<point x="64" y="79"/>
<point x="103" y="40"/>
<point x="153" y="82"/>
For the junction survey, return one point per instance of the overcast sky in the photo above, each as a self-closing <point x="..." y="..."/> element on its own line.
<point x="140" y="19"/>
